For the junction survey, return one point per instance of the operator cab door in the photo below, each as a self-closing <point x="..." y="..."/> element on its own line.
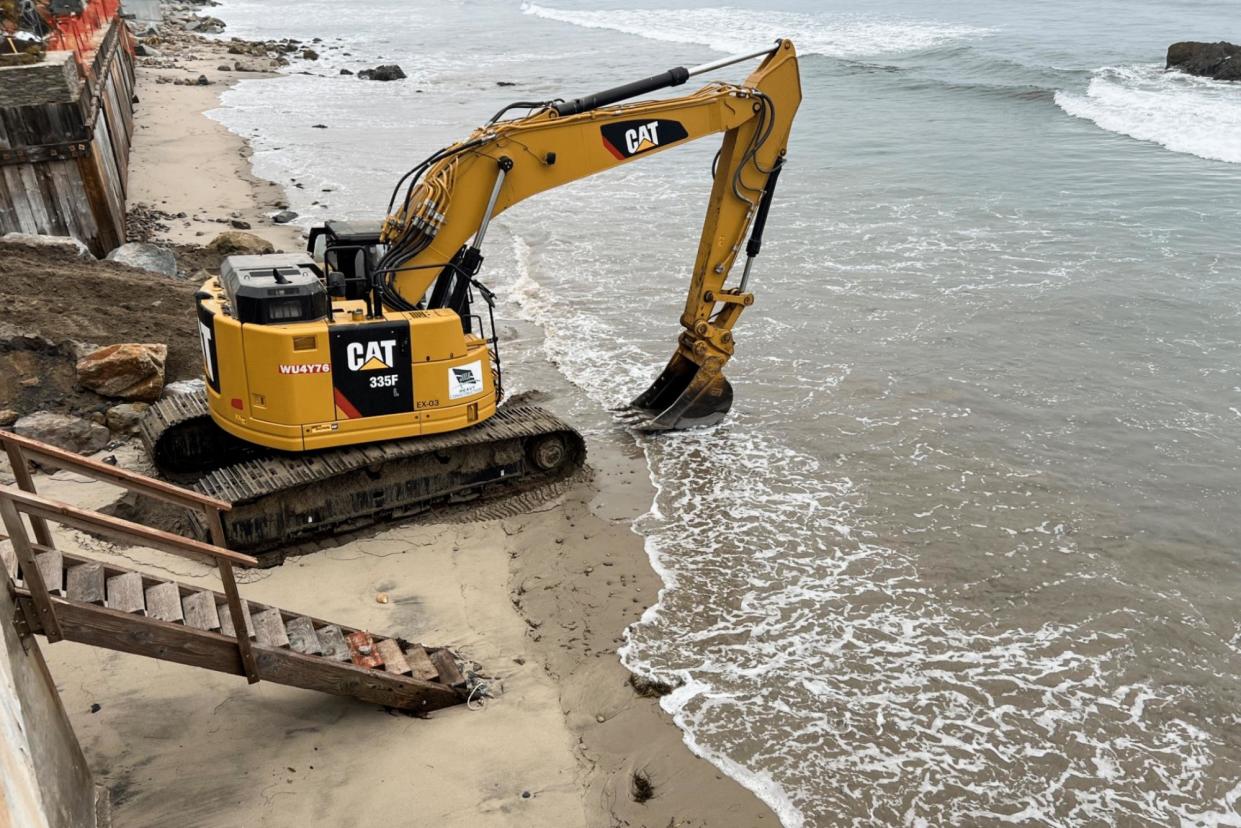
<point x="372" y="372"/>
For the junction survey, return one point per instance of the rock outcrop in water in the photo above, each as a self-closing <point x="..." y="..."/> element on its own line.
<point x="387" y="72"/>
<point x="1221" y="61"/>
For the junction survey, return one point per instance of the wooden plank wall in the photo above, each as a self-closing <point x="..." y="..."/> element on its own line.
<point x="82" y="192"/>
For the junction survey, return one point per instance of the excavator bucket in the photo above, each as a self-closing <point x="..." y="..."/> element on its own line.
<point x="685" y="395"/>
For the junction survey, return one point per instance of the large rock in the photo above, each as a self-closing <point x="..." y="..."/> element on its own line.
<point x="387" y="72"/>
<point x="69" y="433"/>
<point x="234" y="242"/>
<point x="34" y="240"/>
<point x="187" y="386"/>
<point x="129" y="371"/>
<point x="146" y="256"/>
<point x="1221" y="61"/>
<point x="124" y="418"/>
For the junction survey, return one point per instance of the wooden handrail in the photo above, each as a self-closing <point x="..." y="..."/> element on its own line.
<point x="53" y="456"/>
<point x="63" y="513"/>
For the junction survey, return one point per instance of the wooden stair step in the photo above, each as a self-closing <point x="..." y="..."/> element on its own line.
<point x="163" y="601"/>
<point x="362" y="649"/>
<point x="125" y="593"/>
<point x="302" y="637"/>
<point x="200" y="611"/>
<point x="226" y="619"/>
<point x="421" y="664"/>
<point x="52" y="567"/>
<point x="394" y="661"/>
<point x="333" y="641"/>
<point x="86" y="583"/>
<point x="269" y="629"/>
<point x="448" y="670"/>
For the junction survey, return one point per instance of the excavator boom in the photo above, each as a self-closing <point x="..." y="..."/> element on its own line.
<point x="466" y="185"/>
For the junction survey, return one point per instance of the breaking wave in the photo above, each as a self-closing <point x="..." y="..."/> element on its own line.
<point x="736" y="30"/>
<point x="1180" y="112"/>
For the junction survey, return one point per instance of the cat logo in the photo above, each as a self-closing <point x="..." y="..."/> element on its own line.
<point x="371" y="356"/>
<point x="642" y="138"/>
<point x="629" y="138"/>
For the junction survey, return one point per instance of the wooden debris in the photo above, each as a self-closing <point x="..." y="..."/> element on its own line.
<point x="8" y="558"/>
<point x="447" y="666"/>
<point x="125" y="593"/>
<point x="226" y="619"/>
<point x="200" y="611"/>
<point x="86" y="583"/>
<point x="52" y="567"/>
<point x="333" y="641"/>
<point x="362" y="649"/>
<point x="269" y="629"/>
<point x="394" y="661"/>
<point x="302" y="638"/>
<point x="421" y="663"/>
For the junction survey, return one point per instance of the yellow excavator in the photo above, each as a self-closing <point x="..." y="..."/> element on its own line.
<point x="358" y="382"/>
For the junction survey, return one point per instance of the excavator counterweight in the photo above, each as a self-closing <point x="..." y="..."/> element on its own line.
<point x="365" y="365"/>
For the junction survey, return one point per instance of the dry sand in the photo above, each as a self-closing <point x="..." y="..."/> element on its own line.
<point x="540" y="600"/>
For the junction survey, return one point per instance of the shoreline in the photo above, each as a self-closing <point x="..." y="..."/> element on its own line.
<point x="540" y="599"/>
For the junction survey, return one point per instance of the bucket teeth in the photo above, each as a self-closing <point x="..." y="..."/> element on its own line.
<point x="685" y="395"/>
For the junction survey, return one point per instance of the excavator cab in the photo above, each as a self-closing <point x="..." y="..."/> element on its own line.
<point x="349" y="251"/>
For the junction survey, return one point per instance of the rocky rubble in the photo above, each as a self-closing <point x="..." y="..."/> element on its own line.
<point x="65" y="431"/>
<point x="130" y="371"/>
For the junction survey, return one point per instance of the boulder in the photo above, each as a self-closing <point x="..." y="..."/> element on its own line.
<point x="284" y="217"/>
<point x="240" y="224"/>
<point x="310" y="54"/>
<point x="69" y="433"/>
<point x="124" y="418"/>
<point x="145" y="256"/>
<point x="143" y="50"/>
<point x="34" y="240"/>
<point x="235" y="242"/>
<point x="128" y="371"/>
<point x="189" y="386"/>
<point x="387" y="72"/>
<point x="1221" y="61"/>
<point x="208" y="25"/>
<point x="345" y="72"/>
<point x="7" y="417"/>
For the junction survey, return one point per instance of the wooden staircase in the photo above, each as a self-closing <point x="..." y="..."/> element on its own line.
<point x="65" y="596"/>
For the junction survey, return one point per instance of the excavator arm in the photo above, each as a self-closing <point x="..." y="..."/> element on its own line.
<point x="435" y="233"/>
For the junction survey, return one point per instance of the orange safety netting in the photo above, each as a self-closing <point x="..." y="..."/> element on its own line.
<point x="78" y="32"/>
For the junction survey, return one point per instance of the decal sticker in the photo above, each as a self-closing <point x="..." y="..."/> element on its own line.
<point x="372" y="372"/>
<point x="206" y="338"/>
<point x="306" y="368"/>
<point x="375" y="355"/>
<point x="465" y="380"/>
<point x="626" y="139"/>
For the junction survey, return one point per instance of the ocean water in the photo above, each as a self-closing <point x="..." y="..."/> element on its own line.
<point x="966" y="550"/>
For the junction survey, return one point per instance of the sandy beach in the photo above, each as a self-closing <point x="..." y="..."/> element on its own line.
<point x="539" y="598"/>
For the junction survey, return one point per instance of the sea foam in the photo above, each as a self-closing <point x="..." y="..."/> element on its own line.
<point x="735" y="30"/>
<point x="1181" y="112"/>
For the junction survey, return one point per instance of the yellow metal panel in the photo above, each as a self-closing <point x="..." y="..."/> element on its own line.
<point x="296" y="386"/>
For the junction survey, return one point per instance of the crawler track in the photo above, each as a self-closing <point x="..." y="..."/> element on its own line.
<point x="281" y="499"/>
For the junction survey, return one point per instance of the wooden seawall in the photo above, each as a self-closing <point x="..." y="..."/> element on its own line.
<point x="65" y="130"/>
